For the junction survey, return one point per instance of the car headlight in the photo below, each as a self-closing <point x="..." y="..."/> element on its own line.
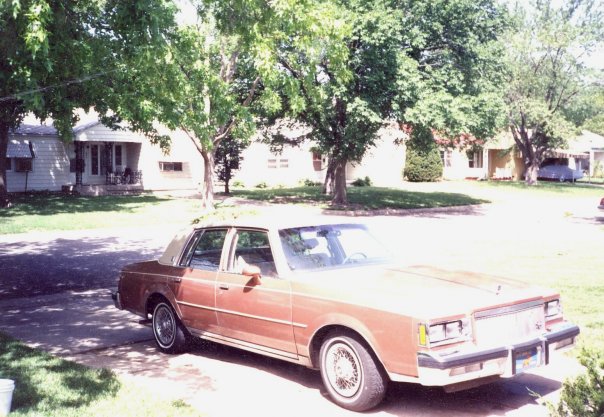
<point x="449" y="332"/>
<point x="553" y="309"/>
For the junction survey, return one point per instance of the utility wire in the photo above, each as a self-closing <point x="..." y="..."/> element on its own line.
<point x="50" y="87"/>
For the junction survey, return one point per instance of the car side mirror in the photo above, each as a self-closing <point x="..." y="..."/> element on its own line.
<point x="254" y="272"/>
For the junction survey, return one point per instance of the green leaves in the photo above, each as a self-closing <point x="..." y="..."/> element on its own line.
<point x="546" y="74"/>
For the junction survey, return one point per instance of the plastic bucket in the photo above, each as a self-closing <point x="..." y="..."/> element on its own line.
<point x="7" y="386"/>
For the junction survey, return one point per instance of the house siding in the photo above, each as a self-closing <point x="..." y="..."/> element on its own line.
<point x="50" y="167"/>
<point x="290" y="167"/>
<point x="181" y="150"/>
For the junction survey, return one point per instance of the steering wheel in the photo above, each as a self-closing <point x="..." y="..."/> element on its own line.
<point x="352" y="255"/>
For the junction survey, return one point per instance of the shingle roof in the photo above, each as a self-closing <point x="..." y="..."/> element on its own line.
<point x="34" y="130"/>
<point x="18" y="149"/>
<point x="44" y="130"/>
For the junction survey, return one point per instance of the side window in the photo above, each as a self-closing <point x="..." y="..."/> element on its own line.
<point x="253" y="248"/>
<point x="205" y="250"/>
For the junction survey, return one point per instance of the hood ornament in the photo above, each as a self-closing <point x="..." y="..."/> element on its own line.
<point x="498" y="289"/>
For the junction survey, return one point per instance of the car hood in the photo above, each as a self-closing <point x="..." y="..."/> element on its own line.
<point x="417" y="291"/>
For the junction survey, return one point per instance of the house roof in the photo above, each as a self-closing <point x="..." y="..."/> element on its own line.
<point x="34" y="130"/>
<point x="18" y="148"/>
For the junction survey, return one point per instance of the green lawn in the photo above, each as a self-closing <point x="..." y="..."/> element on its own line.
<point x="362" y="198"/>
<point x="51" y="387"/>
<point x="42" y="212"/>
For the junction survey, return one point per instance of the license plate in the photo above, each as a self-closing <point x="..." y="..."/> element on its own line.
<point x="527" y="359"/>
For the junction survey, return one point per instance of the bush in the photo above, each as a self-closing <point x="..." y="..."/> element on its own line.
<point x="238" y="184"/>
<point x="310" y="183"/>
<point x="583" y="396"/>
<point x="362" y="182"/>
<point x="423" y="165"/>
<point x="262" y="185"/>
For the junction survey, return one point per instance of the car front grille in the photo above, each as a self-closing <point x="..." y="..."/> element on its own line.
<point x="508" y="324"/>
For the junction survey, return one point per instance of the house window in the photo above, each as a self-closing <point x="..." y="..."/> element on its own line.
<point x="317" y="161"/>
<point x="475" y="159"/>
<point x="9" y="164"/>
<point x="445" y="157"/>
<point x="118" y="155"/>
<point x="23" y="164"/>
<point x="278" y="163"/>
<point x="94" y="159"/>
<point x="170" y="166"/>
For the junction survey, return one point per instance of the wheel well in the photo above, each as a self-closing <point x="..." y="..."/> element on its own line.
<point x="323" y="333"/>
<point x="153" y="300"/>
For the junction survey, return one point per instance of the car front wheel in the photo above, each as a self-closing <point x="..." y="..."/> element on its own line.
<point x="350" y="373"/>
<point x="170" y="334"/>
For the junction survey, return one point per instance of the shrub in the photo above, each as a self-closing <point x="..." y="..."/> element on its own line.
<point x="310" y="183"/>
<point x="584" y="395"/>
<point x="362" y="182"/>
<point x="423" y="165"/>
<point x="238" y="184"/>
<point x="262" y="185"/>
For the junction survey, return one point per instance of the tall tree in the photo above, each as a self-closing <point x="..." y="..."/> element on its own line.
<point x="436" y="73"/>
<point x="61" y="55"/>
<point x="221" y="75"/>
<point x="547" y="74"/>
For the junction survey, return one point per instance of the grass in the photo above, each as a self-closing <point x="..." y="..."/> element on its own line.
<point x="46" y="211"/>
<point x="362" y="198"/>
<point x="51" y="387"/>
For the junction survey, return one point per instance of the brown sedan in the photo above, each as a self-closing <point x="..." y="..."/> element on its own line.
<point x="327" y="296"/>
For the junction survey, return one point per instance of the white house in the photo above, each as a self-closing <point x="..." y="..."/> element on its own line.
<point x="383" y="163"/>
<point x="99" y="160"/>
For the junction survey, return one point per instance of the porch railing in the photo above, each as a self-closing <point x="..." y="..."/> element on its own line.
<point x="124" y="177"/>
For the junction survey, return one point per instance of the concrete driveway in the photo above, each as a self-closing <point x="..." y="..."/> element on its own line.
<point x="54" y="295"/>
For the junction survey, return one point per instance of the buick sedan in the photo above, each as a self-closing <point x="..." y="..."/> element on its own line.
<point x="328" y="297"/>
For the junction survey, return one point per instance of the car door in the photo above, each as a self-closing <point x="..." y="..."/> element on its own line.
<point x="195" y="291"/>
<point x="256" y="314"/>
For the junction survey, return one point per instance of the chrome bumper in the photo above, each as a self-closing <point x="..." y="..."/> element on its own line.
<point x="439" y="368"/>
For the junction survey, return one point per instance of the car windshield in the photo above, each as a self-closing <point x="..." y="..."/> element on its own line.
<point x="330" y="246"/>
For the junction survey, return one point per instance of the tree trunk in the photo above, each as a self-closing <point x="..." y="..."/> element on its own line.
<point x="340" y="196"/>
<point x="207" y="198"/>
<point x="4" y="201"/>
<point x="328" y="184"/>
<point x="530" y="174"/>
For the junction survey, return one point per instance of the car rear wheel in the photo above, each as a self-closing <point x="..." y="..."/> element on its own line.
<point x="170" y="334"/>
<point x="350" y="373"/>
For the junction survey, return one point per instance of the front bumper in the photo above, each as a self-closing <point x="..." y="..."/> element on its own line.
<point x="443" y="368"/>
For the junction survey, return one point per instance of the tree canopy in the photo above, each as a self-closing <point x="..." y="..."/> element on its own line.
<point x="547" y="74"/>
<point x="58" y="56"/>
<point x="395" y="63"/>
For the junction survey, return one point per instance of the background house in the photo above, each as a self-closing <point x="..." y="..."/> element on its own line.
<point x="383" y="163"/>
<point x="99" y="160"/>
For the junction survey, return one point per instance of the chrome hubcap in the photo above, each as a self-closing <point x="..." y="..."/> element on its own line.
<point x="343" y="369"/>
<point x="164" y="326"/>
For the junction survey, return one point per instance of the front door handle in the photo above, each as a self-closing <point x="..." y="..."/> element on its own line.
<point x="223" y="287"/>
<point x="176" y="280"/>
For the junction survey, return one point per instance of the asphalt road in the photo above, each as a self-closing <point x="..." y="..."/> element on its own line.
<point x="54" y="295"/>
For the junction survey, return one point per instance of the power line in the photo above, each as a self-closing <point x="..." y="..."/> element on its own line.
<point x="50" y="87"/>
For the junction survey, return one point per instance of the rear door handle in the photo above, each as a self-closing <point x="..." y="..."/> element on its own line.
<point x="223" y="287"/>
<point x="176" y="279"/>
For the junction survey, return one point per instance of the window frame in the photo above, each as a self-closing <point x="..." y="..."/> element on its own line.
<point x="189" y="249"/>
<point x="230" y="265"/>
<point x="164" y="166"/>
